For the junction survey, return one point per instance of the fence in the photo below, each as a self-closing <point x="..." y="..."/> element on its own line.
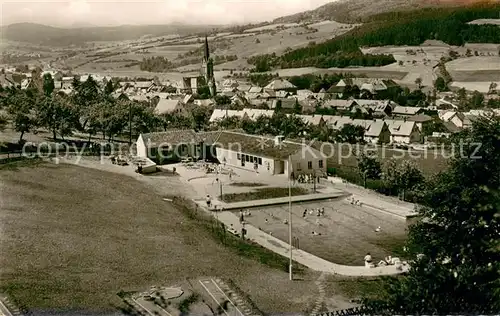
<point x="354" y="311"/>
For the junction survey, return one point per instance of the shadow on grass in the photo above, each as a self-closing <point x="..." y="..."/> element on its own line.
<point x="247" y="184"/>
<point x="242" y="247"/>
<point x="19" y="162"/>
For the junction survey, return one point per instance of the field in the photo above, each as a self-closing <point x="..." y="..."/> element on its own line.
<point x="475" y="69"/>
<point x="347" y="231"/>
<point x="73" y="237"/>
<point x="263" y="40"/>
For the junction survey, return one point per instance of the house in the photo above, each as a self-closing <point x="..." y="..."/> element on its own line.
<point x="140" y="98"/>
<point x="338" y="104"/>
<point x="304" y="94"/>
<point x="229" y="91"/>
<point x="230" y="83"/>
<point x="55" y="74"/>
<point x="9" y="81"/>
<point x="67" y="82"/>
<point x="190" y="85"/>
<point x="322" y="94"/>
<point x="281" y="85"/>
<point x="143" y="86"/>
<point x="167" y="106"/>
<point x="255" y="89"/>
<point x="403" y="132"/>
<point x="336" y="122"/>
<point x="260" y="103"/>
<point x="273" y="156"/>
<point x="204" y="103"/>
<point x="456" y="118"/>
<point x="188" y="98"/>
<point x="27" y="83"/>
<point x="308" y="105"/>
<point x="243" y="88"/>
<point x="376" y="132"/>
<point x="253" y="114"/>
<point x="220" y="114"/>
<point x="315" y="120"/>
<point x="286" y="103"/>
<point x="372" y="85"/>
<point x="380" y="108"/>
<point x="170" y="146"/>
<point x="420" y="119"/>
<point x="407" y="110"/>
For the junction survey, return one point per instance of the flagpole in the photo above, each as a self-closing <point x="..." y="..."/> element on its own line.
<point x="290" y="214"/>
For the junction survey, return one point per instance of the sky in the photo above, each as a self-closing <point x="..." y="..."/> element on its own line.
<point x="67" y="13"/>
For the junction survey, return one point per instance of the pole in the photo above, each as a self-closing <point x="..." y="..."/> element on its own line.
<point x="130" y="124"/>
<point x="290" y="215"/>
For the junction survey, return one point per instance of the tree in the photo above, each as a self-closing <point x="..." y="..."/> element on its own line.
<point x="440" y="84"/>
<point x="48" y="84"/>
<point x="351" y="134"/>
<point x="462" y="98"/>
<point x="21" y="111"/>
<point x="369" y="167"/>
<point x="402" y="177"/>
<point x="109" y="88"/>
<point x="297" y="108"/>
<point x="476" y="100"/>
<point x="278" y="107"/>
<point x="199" y="117"/>
<point x="436" y="125"/>
<point x="492" y="88"/>
<point x="222" y="99"/>
<point x="458" y="271"/>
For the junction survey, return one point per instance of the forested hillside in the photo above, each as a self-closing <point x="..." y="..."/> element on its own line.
<point x="449" y="25"/>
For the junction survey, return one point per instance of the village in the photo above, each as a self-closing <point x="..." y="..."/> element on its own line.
<point x="277" y="180"/>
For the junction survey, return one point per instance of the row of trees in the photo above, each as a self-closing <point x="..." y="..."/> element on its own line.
<point x="292" y="126"/>
<point x="156" y="64"/>
<point x="90" y="109"/>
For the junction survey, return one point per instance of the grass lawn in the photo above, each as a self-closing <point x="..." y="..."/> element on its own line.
<point x="262" y="194"/>
<point x="356" y="287"/>
<point x="73" y="237"/>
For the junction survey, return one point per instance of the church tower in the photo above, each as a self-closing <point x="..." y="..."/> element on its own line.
<point x="207" y="68"/>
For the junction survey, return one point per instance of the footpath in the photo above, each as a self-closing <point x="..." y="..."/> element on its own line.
<point x="231" y="221"/>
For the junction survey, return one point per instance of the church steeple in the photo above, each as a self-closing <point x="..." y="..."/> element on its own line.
<point x="207" y="51"/>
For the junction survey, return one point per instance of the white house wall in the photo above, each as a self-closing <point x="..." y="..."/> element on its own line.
<point x="232" y="160"/>
<point x="305" y="156"/>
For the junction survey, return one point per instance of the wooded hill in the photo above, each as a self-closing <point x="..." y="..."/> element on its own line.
<point x="449" y="25"/>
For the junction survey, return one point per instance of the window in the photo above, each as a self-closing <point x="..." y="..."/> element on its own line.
<point x="298" y="166"/>
<point x="320" y="163"/>
<point x="260" y="161"/>
<point x="309" y="165"/>
<point x="247" y="158"/>
<point x="238" y="156"/>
